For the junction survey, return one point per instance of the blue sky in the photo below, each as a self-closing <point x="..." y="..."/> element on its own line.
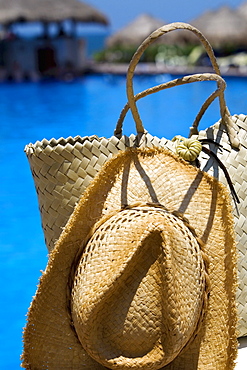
<point x="122" y="12"/>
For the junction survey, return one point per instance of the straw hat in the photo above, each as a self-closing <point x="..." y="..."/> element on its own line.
<point x="143" y="275"/>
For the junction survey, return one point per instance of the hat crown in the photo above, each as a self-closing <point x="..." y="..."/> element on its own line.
<point x="139" y="289"/>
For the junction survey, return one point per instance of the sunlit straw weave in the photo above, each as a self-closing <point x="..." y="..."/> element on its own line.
<point x="62" y="169"/>
<point x="152" y="251"/>
<point x="236" y="164"/>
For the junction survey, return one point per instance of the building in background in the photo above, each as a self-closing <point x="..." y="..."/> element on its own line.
<point x="42" y="38"/>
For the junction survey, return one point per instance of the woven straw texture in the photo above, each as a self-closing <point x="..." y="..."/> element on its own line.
<point x="152" y="251"/>
<point x="62" y="169"/>
<point x="235" y="161"/>
<point x="195" y="208"/>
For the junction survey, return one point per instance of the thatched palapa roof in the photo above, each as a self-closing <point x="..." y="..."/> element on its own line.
<point x="223" y="27"/>
<point x="242" y="9"/>
<point x="12" y="11"/>
<point x="136" y="31"/>
<point x="141" y="27"/>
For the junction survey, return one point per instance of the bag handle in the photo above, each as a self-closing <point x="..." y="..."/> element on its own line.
<point x="225" y="115"/>
<point x="177" y="82"/>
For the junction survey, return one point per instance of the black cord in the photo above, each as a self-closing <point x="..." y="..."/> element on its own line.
<point x="222" y="166"/>
<point x="210" y="141"/>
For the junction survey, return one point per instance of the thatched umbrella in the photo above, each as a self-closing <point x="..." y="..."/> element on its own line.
<point x="136" y="31"/>
<point x="242" y="9"/>
<point x="223" y="27"/>
<point x="12" y="11"/>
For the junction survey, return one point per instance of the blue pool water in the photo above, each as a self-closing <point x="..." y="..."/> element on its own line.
<point x="91" y="105"/>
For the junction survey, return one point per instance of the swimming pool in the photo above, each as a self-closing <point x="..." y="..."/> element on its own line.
<point x="90" y="105"/>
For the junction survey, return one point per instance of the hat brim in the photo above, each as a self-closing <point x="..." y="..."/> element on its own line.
<point x="50" y="339"/>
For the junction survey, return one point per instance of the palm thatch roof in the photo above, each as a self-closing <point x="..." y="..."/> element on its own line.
<point x="223" y="27"/>
<point x="242" y="9"/>
<point x="136" y="31"/>
<point x="12" y="11"/>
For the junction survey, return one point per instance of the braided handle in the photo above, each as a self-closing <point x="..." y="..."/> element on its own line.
<point x="177" y="82"/>
<point x="225" y="115"/>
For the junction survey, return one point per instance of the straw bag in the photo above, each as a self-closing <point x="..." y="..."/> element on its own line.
<point x="62" y="169"/>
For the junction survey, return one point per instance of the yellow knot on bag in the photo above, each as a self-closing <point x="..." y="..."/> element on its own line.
<point x="188" y="149"/>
